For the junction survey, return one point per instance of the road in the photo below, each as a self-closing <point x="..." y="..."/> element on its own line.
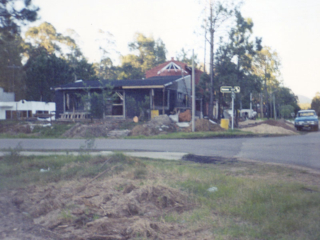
<point x="301" y="150"/>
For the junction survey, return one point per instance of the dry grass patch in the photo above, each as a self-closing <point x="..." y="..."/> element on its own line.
<point x="127" y="198"/>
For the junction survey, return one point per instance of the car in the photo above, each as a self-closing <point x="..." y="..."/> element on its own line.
<point x="306" y="119"/>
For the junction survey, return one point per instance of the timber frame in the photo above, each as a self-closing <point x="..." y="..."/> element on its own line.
<point x="166" y="93"/>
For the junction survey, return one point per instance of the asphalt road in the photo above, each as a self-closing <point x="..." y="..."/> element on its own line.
<point x="301" y="150"/>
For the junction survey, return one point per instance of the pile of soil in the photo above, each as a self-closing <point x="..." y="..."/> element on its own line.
<point x="271" y="127"/>
<point x="116" y="208"/>
<point x="15" y="129"/>
<point x="203" y="125"/>
<point x="158" y="125"/>
<point x="86" y="130"/>
<point x="95" y="129"/>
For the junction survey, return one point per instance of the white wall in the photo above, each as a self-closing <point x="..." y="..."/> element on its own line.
<point x="24" y="105"/>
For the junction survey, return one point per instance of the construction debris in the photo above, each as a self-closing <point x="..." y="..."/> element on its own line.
<point x="203" y="125"/>
<point x="158" y="125"/>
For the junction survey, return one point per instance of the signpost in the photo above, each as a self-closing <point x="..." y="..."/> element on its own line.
<point x="233" y="91"/>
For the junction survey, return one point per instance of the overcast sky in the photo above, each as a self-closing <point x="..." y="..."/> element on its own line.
<point x="291" y="27"/>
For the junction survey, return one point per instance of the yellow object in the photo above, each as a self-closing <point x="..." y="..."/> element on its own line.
<point x="154" y="113"/>
<point x="136" y="119"/>
<point x="224" y="123"/>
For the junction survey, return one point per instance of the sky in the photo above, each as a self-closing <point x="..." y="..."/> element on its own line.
<point x="290" y="27"/>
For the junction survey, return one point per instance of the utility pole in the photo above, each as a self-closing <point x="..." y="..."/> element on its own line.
<point x="261" y="106"/>
<point x="274" y="107"/>
<point x="193" y="93"/>
<point x="205" y="50"/>
<point x="211" y="62"/>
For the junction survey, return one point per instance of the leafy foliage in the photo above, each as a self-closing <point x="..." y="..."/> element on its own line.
<point x="185" y="56"/>
<point x="149" y="53"/>
<point x="46" y="36"/>
<point x="11" y="18"/>
<point x="44" y="71"/>
<point x="286" y="111"/>
<point x="315" y="104"/>
<point x="11" y="72"/>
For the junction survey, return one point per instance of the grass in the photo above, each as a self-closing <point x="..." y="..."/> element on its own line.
<point x="54" y="131"/>
<point x="245" y="208"/>
<point x="252" y="201"/>
<point x="194" y="135"/>
<point x="21" y="171"/>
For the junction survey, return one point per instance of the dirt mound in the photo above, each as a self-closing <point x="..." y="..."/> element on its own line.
<point x="203" y="125"/>
<point x="15" y="129"/>
<point x="271" y="127"/>
<point x="115" y="208"/>
<point x="83" y="130"/>
<point x="159" y="125"/>
<point x="102" y="128"/>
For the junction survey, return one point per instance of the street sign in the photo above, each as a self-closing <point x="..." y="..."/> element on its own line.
<point x="233" y="91"/>
<point x="229" y="89"/>
<point x="236" y="89"/>
<point x="225" y="89"/>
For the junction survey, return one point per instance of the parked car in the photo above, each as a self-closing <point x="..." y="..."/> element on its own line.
<point x="307" y="119"/>
<point x="248" y="113"/>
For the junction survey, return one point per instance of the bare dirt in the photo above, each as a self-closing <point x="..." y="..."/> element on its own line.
<point x="120" y="206"/>
<point x="95" y="129"/>
<point x="15" y="129"/>
<point x="204" y="125"/>
<point x="159" y="125"/>
<point x="269" y="127"/>
<point x="116" y="208"/>
<point x="115" y="128"/>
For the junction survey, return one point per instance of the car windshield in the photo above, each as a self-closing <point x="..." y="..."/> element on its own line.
<point x="306" y="114"/>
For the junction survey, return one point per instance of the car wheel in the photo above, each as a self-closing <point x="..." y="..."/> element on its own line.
<point x="298" y="128"/>
<point x="316" y="128"/>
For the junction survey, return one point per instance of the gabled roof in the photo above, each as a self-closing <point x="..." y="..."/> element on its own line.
<point x="154" y="82"/>
<point x="173" y="68"/>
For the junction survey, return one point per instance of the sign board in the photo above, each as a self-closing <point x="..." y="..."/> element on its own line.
<point x="229" y="89"/>
<point x="233" y="91"/>
<point x="225" y="89"/>
<point x="236" y="89"/>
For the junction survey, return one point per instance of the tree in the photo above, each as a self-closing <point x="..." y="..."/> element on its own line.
<point x="148" y="53"/>
<point x="266" y="64"/>
<point x="43" y="71"/>
<point x="218" y="14"/>
<point x="234" y="61"/>
<point x="84" y="70"/>
<point x="11" y="17"/>
<point x="315" y="104"/>
<point x="106" y="70"/>
<point x="46" y="36"/>
<point x="186" y="57"/>
<point x="243" y="50"/>
<point x="285" y="97"/>
<point x="11" y="73"/>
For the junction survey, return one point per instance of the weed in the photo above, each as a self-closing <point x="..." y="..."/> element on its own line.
<point x="14" y="155"/>
<point x="140" y="173"/>
<point x="66" y="216"/>
<point x="88" y="146"/>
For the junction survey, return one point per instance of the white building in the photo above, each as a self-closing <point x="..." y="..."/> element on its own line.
<point x="9" y="109"/>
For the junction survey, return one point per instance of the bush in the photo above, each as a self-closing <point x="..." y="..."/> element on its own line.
<point x="286" y="111"/>
<point x="315" y="104"/>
